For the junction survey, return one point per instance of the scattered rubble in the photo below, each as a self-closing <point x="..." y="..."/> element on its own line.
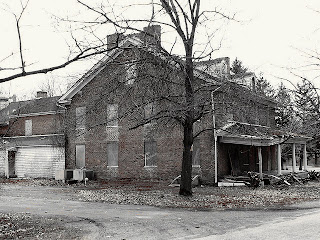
<point x="253" y="179"/>
<point x="281" y="191"/>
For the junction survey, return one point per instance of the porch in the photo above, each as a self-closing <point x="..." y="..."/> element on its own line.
<point x="248" y="147"/>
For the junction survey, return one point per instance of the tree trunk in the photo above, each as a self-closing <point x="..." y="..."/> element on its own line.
<point x="186" y="171"/>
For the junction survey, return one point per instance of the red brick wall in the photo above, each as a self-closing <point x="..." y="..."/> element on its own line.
<point x="105" y="89"/>
<point x="41" y="125"/>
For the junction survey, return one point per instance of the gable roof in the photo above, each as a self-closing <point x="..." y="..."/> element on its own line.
<point x="129" y="41"/>
<point x="97" y="68"/>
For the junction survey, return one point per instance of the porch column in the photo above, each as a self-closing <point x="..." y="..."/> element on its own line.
<point x="294" y="160"/>
<point x="260" y="162"/>
<point x="305" y="163"/>
<point x="279" y="159"/>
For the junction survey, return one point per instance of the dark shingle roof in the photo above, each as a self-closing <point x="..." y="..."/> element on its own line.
<point x="38" y="105"/>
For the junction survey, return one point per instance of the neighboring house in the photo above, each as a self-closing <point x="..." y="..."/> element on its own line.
<point x="32" y="138"/>
<point x="105" y="134"/>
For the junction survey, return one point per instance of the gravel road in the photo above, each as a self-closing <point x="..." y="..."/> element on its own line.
<point x="40" y="209"/>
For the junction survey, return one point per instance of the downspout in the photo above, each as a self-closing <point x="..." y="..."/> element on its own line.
<point x="215" y="138"/>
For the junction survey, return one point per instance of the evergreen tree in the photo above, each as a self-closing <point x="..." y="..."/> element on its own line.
<point x="264" y="87"/>
<point x="237" y="68"/>
<point x="285" y="110"/>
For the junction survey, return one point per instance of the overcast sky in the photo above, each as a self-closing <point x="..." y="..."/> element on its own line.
<point x="266" y="39"/>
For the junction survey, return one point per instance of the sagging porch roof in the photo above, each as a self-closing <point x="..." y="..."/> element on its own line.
<point x="257" y="135"/>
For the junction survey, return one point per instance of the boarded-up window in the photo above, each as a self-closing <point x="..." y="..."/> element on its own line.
<point x="112" y="123"/>
<point x="112" y="115"/>
<point x="150" y="153"/>
<point x="112" y="154"/>
<point x="196" y="153"/>
<point x="80" y="117"/>
<point x="131" y="74"/>
<point x="80" y="156"/>
<point x="28" y="127"/>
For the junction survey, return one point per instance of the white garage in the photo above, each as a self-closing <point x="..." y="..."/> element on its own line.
<point x="37" y="161"/>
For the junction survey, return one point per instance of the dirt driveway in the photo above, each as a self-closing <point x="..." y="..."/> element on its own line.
<point x="60" y="213"/>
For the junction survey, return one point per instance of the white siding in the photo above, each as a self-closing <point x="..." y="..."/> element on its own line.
<point x="39" y="161"/>
<point x="2" y="162"/>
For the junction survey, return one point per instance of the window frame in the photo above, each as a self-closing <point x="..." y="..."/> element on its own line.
<point x="77" y="154"/>
<point x="130" y="74"/>
<point x="196" y="153"/>
<point x="155" y="155"/>
<point x="28" y="127"/>
<point x="117" y="154"/>
<point x="81" y="123"/>
<point x="112" y="121"/>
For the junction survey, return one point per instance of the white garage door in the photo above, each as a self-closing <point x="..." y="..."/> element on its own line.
<point x="38" y="162"/>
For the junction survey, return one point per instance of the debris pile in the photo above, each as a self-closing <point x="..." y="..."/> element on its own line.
<point x="254" y="180"/>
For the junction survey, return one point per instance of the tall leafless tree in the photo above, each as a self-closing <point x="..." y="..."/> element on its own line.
<point x="186" y="19"/>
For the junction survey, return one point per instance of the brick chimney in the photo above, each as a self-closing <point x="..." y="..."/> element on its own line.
<point x="42" y="94"/>
<point x="114" y="39"/>
<point x="151" y="34"/>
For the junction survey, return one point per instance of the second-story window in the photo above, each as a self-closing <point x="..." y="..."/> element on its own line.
<point x="131" y="74"/>
<point x="112" y="115"/>
<point x="28" y="127"/>
<point x="112" y="135"/>
<point x="80" y="117"/>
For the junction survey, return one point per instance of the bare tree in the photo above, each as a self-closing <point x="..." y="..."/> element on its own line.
<point x="184" y="18"/>
<point x="77" y="51"/>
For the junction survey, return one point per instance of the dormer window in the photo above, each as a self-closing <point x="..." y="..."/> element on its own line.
<point x="131" y="74"/>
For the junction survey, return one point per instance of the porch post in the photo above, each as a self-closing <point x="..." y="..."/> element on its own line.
<point x="279" y="159"/>
<point x="294" y="160"/>
<point x="269" y="159"/>
<point x="305" y="163"/>
<point x="260" y="162"/>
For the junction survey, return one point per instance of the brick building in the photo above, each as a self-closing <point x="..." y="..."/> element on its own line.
<point x="113" y="112"/>
<point x="32" y="137"/>
<point x="122" y="120"/>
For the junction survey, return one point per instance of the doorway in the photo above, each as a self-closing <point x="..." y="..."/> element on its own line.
<point x="12" y="164"/>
